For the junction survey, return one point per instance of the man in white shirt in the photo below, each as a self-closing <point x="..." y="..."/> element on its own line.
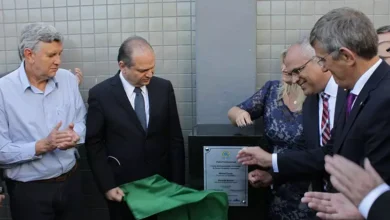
<point x="322" y="91"/>
<point x="363" y="192"/>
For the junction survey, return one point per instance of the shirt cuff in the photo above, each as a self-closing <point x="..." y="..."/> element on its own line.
<point x="30" y="152"/>
<point x="80" y="130"/>
<point x="275" y="163"/>
<point x="366" y="203"/>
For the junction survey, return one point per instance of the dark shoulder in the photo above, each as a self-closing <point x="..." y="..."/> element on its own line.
<point x="160" y="83"/>
<point x="103" y="86"/>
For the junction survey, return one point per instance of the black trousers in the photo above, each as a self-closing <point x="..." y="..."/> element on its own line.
<point x="47" y="200"/>
<point x="120" y="211"/>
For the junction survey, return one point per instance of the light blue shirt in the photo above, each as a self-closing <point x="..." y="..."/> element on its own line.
<point x="27" y="115"/>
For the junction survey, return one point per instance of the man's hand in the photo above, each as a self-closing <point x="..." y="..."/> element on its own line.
<point x="243" y="118"/>
<point x="51" y="142"/>
<point x="254" y="156"/>
<point x="259" y="178"/>
<point x="57" y="139"/>
<point x="332" y="206"/>
<point x="115" y="194"/>
<point x="78" y="74"/>
<point x="73" y="141"/>
<point x="350" y="179"/>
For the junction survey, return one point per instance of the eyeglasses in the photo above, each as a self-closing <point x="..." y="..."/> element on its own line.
<point x="384" y="49"/>
<point x="298" y="70"/>
<point x="321" y="60"/>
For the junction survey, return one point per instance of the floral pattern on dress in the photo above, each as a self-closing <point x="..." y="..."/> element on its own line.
<point x="284" y="132"/>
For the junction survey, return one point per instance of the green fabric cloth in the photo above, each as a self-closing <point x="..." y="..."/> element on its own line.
<point x="170" y="201"/>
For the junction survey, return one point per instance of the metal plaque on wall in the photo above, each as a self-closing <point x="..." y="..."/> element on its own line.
<point x="222" y="172"/>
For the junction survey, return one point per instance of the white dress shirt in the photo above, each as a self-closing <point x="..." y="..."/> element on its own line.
<point x="129" y="89"/>
<point x="363" y="80"/>
<point x="330" y="89"/>
<point x="366" y="203"/>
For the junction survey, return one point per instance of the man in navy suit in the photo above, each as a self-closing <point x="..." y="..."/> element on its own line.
<point x="362" y="128"/>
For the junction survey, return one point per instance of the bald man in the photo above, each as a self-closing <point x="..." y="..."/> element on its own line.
<point x="133" y="128"/>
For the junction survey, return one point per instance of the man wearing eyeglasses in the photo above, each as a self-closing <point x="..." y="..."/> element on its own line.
<point x="362" y="129"/>
<point x="320" y="107"/>
<point x="384" y="43"/>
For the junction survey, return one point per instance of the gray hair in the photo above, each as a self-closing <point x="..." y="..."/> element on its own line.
<point x="383" y="30"/>
<point x="34" y="33"/>
<point x="345" y="27"/>
<point x="126" y="50"/>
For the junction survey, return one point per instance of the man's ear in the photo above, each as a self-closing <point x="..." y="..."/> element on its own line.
<point x="121" y="65"/>
<point x="29" y="55"/>
<point x="347" y="55"/>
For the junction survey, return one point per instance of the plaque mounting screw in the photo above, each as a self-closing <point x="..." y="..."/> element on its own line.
<point x="207" y="149"/>
<point x="243" y="202"/>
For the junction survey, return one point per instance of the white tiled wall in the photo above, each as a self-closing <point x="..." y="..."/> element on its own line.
<point x="282" y="22"/>
<point x="94" y="30"/>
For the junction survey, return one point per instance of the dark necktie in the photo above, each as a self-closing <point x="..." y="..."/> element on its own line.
<point x="350" y="99"/>
<point x="139" y="108"/>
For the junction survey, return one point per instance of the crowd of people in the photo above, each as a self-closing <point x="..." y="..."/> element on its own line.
<point x="326" y="122"/>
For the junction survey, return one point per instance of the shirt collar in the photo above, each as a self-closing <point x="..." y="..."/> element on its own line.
<point x="331" y="87"/>
<point x="26" y="83"/>
<point x="128" y="87"/>
<point x="364" y="78"/>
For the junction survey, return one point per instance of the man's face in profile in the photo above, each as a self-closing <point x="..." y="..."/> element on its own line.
<point x="384" y="46"/>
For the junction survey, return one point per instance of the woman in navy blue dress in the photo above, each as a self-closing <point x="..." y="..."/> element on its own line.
<point x="280" y="105"/>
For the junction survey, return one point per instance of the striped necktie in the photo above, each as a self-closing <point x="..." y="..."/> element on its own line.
<point x="325" y="125"/>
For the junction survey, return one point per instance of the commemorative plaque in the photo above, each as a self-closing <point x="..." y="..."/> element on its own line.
<point x="222" y="172"/>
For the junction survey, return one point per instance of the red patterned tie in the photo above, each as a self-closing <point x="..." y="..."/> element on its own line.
<point x="325" y="125"/>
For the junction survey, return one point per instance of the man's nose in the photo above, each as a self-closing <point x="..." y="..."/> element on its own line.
<point x="149" y="73"/>
<point x="295" y="78"/>
<point x="57" y="60"/>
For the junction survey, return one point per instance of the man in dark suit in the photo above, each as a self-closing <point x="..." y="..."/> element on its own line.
<point x="362" y="129"/>
<point x="363" y="193"/>
<point x="133" y="128"/>
<point x="324" y="98"/>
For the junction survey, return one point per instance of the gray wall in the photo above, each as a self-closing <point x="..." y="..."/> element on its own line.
<point x="93" y="32"/>
<point x="282" y="22"/>
<point x="95" y="28"/>
<point x="225" y="56"/>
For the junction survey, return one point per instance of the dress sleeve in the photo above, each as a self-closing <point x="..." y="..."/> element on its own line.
<point x="255" y="104"/>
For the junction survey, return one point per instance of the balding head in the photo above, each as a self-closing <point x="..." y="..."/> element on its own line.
<point x="301" y="63"/>
<point x="131" y="46"/>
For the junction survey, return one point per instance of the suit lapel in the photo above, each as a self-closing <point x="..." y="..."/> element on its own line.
<point x="123" y="100"/>
<point x="153" y="100"/>
<point x="360" y="102"/>
<point x="311" y="125"/>
<point x="340" y="103"/>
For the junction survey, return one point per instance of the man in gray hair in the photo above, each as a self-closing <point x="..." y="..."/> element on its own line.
<point x="42" y="119"/>
<point x="361" y="131"/>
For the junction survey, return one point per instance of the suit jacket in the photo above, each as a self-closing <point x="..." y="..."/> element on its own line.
<point x="380" y="208"/>
<point x="311" y="124"/>
<point x="365" y="133"/>
<point x="118" y="149"/>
